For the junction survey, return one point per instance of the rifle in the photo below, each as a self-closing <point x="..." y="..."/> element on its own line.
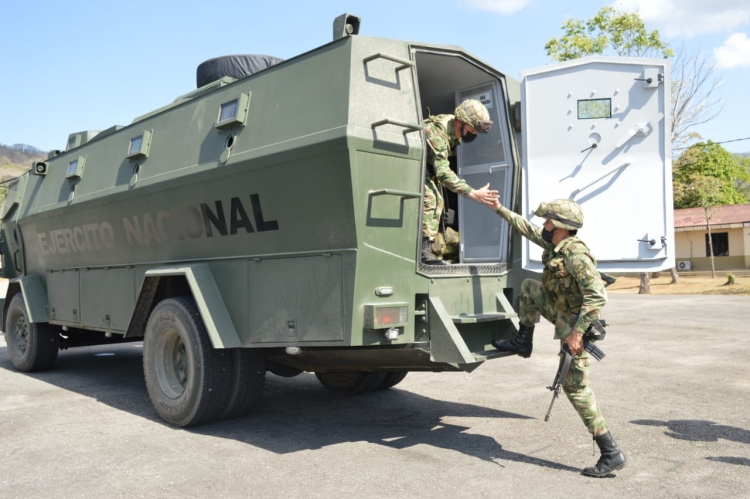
<point x="608" y="279"/>
<point x="566" y="358"/>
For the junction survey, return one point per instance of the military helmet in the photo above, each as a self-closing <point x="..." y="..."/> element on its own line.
<point x="563" y="213"/>
<point x="472" y="112"/>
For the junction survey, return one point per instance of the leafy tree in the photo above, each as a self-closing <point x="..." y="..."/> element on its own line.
<point x="623" y="32"/>
<point x="742" y="184"/>
<point x="707" y="192"/>
<point x="707" y="159"/>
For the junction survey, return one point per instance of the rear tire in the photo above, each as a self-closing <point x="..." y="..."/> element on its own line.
<point x="248" y="379"/>
<point x="189" y="382"/>
<point x="350" y="383"/>
<point x="31" y="346"/>
<point x="392" y="379"/>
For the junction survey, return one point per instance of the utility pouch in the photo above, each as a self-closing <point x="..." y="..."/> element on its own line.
<point x="449" y="216"/>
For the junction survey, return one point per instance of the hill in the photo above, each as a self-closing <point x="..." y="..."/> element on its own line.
<point x="15" y="160"/>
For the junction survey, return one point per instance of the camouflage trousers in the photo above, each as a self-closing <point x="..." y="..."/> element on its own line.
<point x="432" y="209"/>
<point x="535" y="302"/>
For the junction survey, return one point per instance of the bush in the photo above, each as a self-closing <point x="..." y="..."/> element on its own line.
<point x="730" y="278"/>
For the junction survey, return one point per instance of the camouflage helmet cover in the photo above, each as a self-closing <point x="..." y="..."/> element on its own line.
<point x="473" y="112"/>
<point x="563" y="213"/>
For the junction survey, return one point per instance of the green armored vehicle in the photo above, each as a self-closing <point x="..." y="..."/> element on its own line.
<point x="271" y="219"/>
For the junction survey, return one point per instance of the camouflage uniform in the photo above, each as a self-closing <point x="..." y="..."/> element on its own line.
<point x="441" y="142"/>
<point x="570" y="285"/>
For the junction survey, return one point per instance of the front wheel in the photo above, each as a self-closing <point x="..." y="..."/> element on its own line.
<point x="189" y="382"/>
<point x="31" y="346"/>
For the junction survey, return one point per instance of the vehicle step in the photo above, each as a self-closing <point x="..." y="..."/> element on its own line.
<point x="473" y="319"/>
<point x="490" y="354"/>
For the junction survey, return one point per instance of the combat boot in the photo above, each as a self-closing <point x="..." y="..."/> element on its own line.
<point x="428" y="257"/>
<point x="522" y="343"/>
<point x="611" y="459"/>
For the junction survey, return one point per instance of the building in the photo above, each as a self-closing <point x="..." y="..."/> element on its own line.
<point x="730" y="233"/>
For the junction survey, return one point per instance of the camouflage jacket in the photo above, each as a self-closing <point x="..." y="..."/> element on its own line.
<point x="440" y="143"/>
<point x="569" y="276"/>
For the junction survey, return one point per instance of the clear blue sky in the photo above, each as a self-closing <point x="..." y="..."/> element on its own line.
<point x="73" y="65"/>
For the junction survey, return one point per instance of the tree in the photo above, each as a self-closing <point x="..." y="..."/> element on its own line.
<point x="742" y="184"/>
<point x="694" y="100"/>
<point x="707" y="159"/>
<point x="706" y="192"/>
<point x="623" y="32"/>
<point x="707" y="176"/>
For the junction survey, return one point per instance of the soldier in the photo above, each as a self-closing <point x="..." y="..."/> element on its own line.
<point x="570" y="285"/>
<point x="443" y="133"/>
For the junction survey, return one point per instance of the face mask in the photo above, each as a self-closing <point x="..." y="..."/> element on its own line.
<point x="547" y="235"/>
<point x="469" y="137"/>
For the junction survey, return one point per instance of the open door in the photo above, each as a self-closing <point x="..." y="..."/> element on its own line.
<point x="597" y="130"/>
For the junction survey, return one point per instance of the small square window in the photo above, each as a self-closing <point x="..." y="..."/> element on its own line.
<point x="233" y="112"/>
<point x="135" y="145"/>
<point x="228" y="111"/>
<point x="75" y="167"/>
<point x="140" y="145"/>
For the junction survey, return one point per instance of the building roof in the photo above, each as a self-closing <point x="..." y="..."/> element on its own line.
<point x="726" y="215"/>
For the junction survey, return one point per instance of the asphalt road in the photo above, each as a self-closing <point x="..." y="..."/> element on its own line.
<point x="674" y="389"/>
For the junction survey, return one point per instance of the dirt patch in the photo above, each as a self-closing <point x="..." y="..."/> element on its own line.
<point x="698" y="285"/>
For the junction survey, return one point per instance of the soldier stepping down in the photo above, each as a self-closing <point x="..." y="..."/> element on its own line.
<point x="571" y="296"/>
<point x="443" y="133"/>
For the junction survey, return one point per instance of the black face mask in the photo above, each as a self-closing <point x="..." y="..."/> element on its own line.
<point x="547" y="235"/>
<point x="469" y="137"/>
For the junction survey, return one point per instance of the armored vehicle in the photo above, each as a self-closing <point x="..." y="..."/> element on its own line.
<point x="270" y="220"/>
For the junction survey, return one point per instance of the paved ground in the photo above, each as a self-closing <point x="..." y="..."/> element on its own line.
<point x="674" y="389"/>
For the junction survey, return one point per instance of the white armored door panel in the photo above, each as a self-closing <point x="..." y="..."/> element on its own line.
<point x="597" y="131"/>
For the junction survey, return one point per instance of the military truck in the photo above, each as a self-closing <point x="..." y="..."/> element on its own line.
<point x="270" y="220"/>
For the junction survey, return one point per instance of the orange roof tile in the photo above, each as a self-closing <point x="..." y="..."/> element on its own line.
<point x="695" y="217"/>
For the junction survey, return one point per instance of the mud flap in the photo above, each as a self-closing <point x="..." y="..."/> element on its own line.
<point x="35" y="298"/>
<point x="210" y="304"/>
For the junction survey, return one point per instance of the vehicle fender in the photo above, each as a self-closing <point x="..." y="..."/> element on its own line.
<point x="34" y="295"/>
<point x="207" y="297"/>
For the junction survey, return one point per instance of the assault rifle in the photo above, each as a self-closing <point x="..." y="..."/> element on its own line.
<point x="566" y="358"/>
<point x="608" y="279"/>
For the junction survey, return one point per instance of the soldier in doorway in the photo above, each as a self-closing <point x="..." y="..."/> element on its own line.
<point x="442" y="134"/>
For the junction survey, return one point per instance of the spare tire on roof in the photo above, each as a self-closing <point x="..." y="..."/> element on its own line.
<point x="236" y="66"/>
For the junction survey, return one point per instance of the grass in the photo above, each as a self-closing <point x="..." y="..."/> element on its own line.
<point x="694" y="285"/>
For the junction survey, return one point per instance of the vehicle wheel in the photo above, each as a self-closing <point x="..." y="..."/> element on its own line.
<point x="31" y="346"/>
<point x="282" y="370"/>
<point x="350" y="383"/>
<point x="392" y="379"/>
<point x="189" y="382"/>
<point x="248" y="378"/>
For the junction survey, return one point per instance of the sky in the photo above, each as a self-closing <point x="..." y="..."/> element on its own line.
<point x="75" y="65"/>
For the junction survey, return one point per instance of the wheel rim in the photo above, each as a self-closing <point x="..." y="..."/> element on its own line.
<point x="172" y="366"/>
<point x="20" y="335"/>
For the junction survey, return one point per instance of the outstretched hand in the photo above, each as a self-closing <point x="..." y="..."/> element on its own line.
<point x="485" y="196"/>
